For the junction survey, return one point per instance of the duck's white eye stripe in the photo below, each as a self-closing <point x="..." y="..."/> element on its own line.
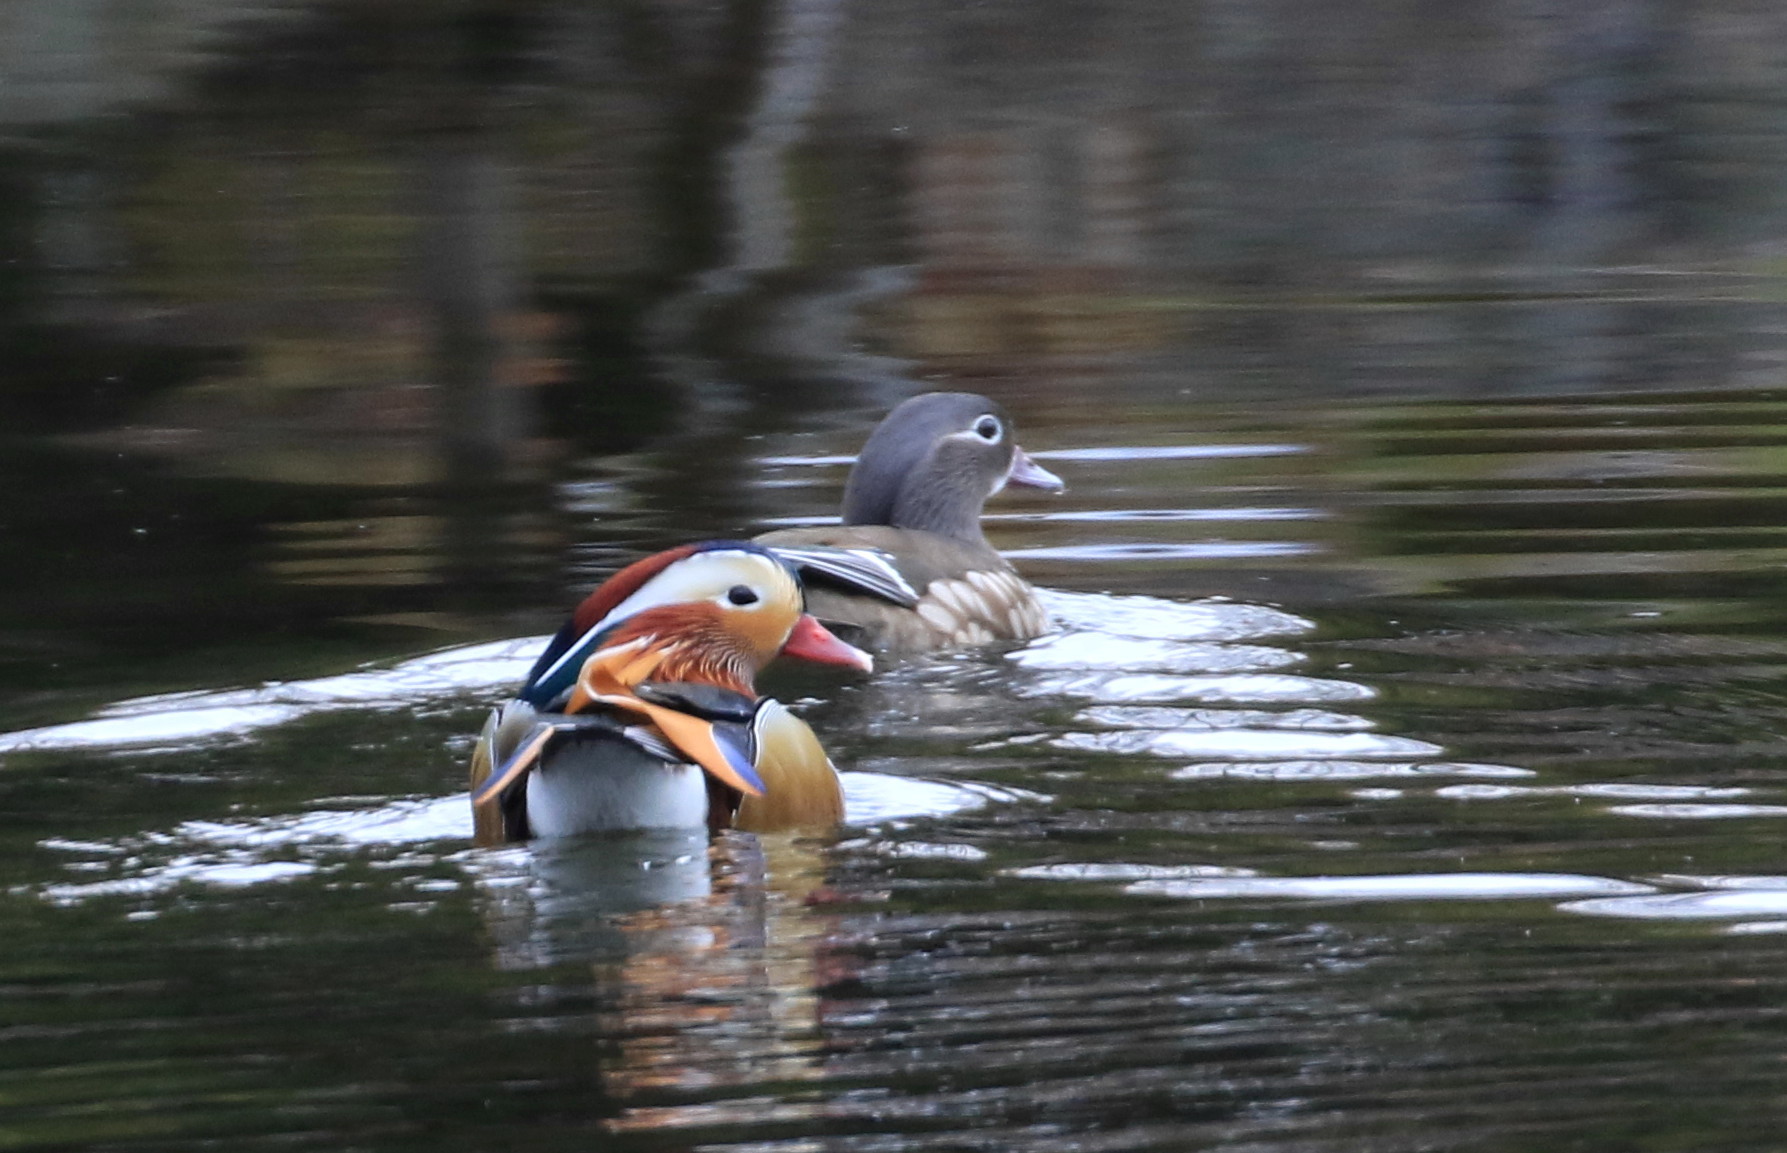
<point x="704" y="576"/>
<point x="989" y="429"/>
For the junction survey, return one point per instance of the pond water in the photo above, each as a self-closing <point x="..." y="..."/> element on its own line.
<point x="1468" y="840"/>
<point x="1405" y="770"/>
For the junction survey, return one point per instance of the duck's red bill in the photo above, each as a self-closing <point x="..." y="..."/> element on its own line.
<point x="810" y="641"/>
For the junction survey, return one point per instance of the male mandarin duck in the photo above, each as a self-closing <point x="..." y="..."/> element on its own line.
<point x="642" y="712"/>
<point x="915" y="494"/>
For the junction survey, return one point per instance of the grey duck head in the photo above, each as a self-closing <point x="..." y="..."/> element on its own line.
<point x="932" y="463"/>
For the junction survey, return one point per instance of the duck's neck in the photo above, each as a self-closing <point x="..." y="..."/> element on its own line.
<point x="947" y="504"/>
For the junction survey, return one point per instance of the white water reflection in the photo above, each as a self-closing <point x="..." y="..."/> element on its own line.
<point x="178" y="720"/>
<point x="1119" y="871"/>
<point x="1085" y="650"/>
<point x="178" y="727"/>
<point x="1161" y="550"/>
<point x="1166" y="515"/>
<point x="1210" y="882"/>
<point x="1624" y="790"/>
<point x="1157" y="717"/>
<point x="1126" y="452"/>
<point x="918" y="850"/>
<point x="1113" y="633"/>
<point x="1148" y="688"/>
<point x="182" y="870"/>
<point x="1197" y="681"/>
<point x="252" y="851"/>
<point x="1701" y="906"/>
<point x="402" y="822"/>
<point x="1249" y="745"/>
<point x="876" y="798"/>
<point x="1222" y="698"/>
<point x="1342" y="770"/>
<point x="1690" y="812"/>
<point x="1124" y="652"/>
<point x="1133" y="650"/>
<point x="1392" y="887"/>
<point x="235" y="854"/>
<point x="1211" y="619"/>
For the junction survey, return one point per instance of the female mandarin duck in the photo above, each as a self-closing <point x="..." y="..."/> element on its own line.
<point x="915" y="494"/>
<point x="642" y="713"/>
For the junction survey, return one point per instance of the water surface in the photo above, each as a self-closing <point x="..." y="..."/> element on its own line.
<point x="1405" y="772"/>
<point x="1198" y="869"/>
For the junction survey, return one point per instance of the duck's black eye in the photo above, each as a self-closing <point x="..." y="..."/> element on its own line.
<point x="742" y="595"/>
<point x="987" y="428"/>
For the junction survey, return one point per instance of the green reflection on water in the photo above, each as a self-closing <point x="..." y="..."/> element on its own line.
<point x="1584" y="588"/>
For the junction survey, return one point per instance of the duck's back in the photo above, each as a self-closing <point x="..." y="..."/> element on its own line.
<point x="968" y="593"/>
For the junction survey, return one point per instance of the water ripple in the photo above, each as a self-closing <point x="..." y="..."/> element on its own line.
<point x="1686" y="906"/>
<point x="259" y="850"/>
<point x="1088" y="651"/>
<point x="1119" y="871"/>
<point x="1626" y="790"/>
<point x="1394" y="887"/>
<point x="1249" y="745"/>
<point x="1138" y="688"/>
<point x="1200" y="882"/>
<point x="1212" y="619"/>
<point x="1165" y="550"/>
<point x="1126" y="452"/>
<point x="1160" y="717"/>
<point x="178" y="720"/>
<point x="1340" y="770"/>
<point x="1693" y="812"/>
<point x="1164" y="515"/>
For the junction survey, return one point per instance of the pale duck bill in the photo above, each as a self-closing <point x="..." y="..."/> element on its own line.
<point x="1026" y="473"/>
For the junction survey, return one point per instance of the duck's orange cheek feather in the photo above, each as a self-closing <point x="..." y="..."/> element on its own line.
<point x="757" y="633"/>
<point x="698" y="644"/>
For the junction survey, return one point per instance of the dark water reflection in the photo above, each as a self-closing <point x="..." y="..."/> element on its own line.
<point x="1465" y="846"/>
<point x="1406" y="771"/>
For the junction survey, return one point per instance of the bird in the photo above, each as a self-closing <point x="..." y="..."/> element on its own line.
<point x="915" y="496"/>
<point x="642" y="711"/>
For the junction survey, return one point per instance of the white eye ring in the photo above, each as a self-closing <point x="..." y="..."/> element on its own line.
<point x="989" y="429"/>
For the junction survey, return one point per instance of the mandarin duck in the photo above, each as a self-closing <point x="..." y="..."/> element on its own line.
<point x="915" y="495"/>
<point x="642" y="711"/>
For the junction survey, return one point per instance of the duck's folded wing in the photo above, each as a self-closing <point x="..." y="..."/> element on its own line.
<point x="917" y="558"/>
<point x="865" y="570"/>
<point x="509" y="724"/>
